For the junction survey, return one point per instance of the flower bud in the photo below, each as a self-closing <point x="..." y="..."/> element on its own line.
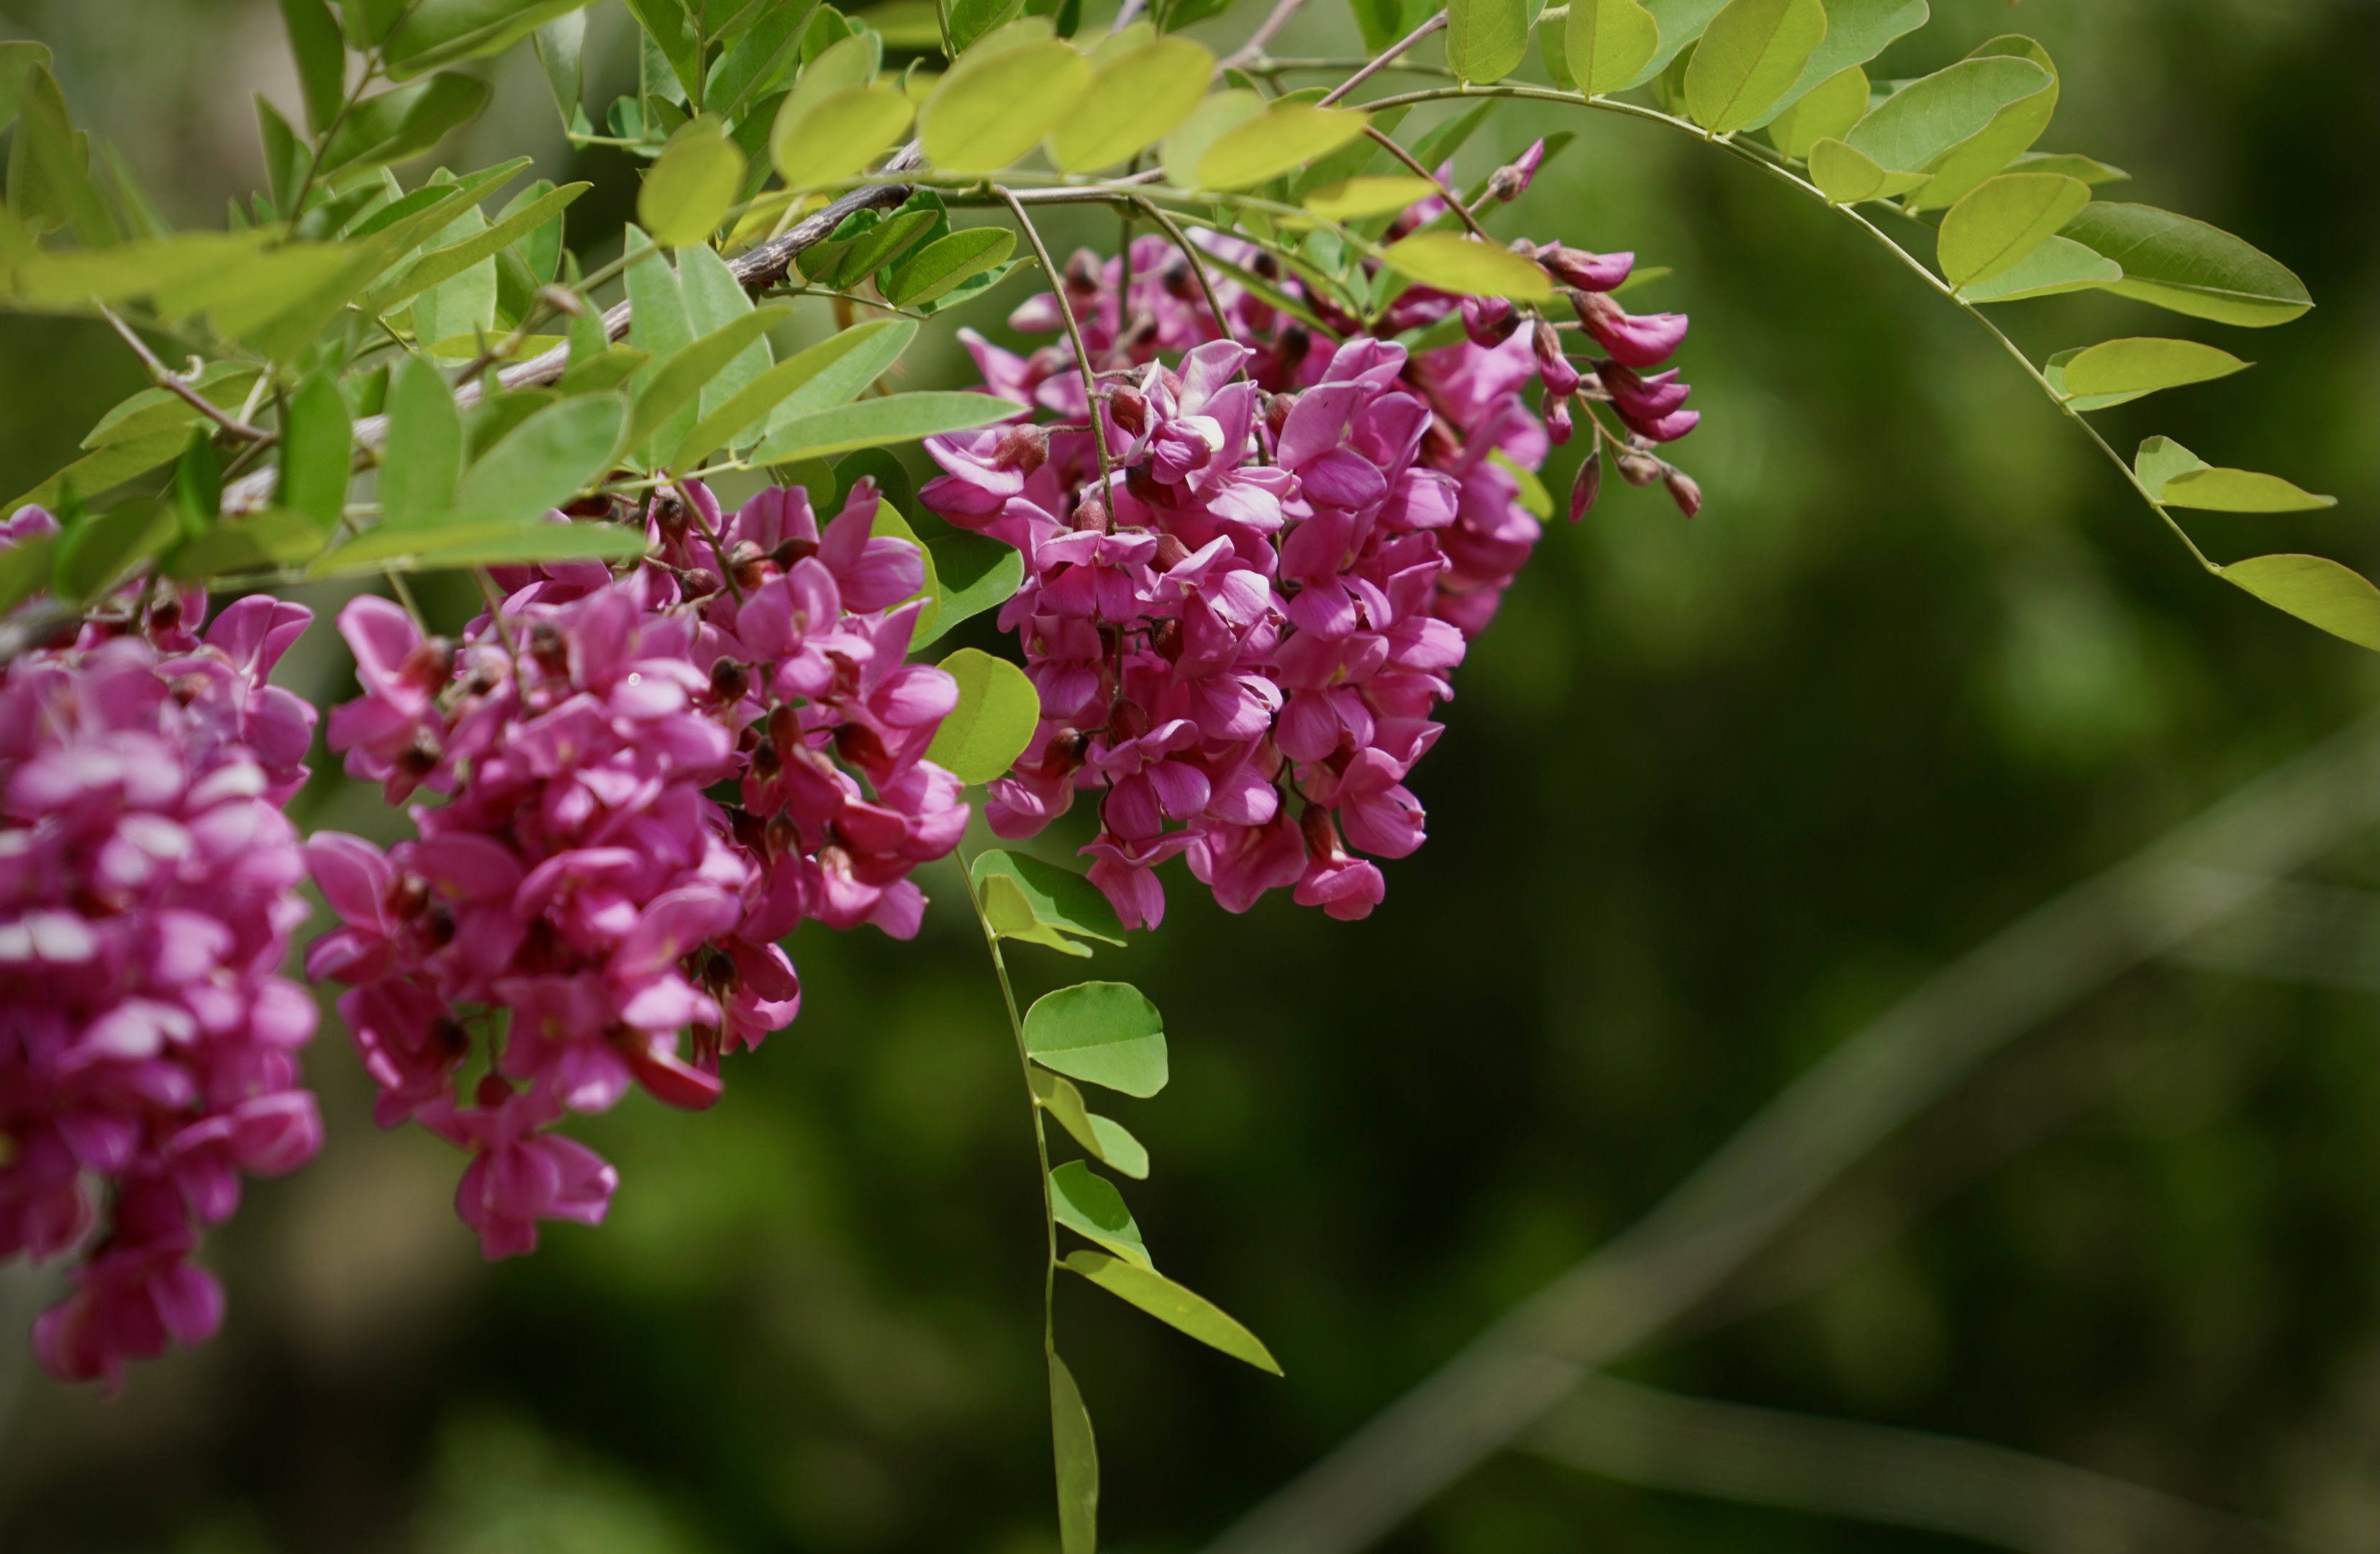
<point x="1553" y="368"/>
<point x="1171" y="552"/>
<point x="1587" y="271"/>
<point x="1587" y="486"/>
<point x="729" y="681"/>
<point x="1025" y="448"/>
<point x="1489" y="321"/>
<point x="1684" y="491"/>
<point x="1129" y="410"/>
<point x="430" y="665"/>
<point x="1640" y="468"/>
<point x="1558" y="422"/>
<point x="792" y="551"/>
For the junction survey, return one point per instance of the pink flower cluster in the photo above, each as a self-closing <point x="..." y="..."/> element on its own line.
<point x="581" y="903"/>
<point x="1240" y="621"/>
<point x="148" y="1049"/>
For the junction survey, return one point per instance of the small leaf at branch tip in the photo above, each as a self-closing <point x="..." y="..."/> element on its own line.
<point x="2317" y="591"/>
<point x="1176" y="1305"/>
<point x="993" y="721"/>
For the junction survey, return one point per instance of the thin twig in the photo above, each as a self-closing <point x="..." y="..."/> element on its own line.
<point x="1190" y="252"/>
<point x="1254" y="48"/>
<point x="1445" y="193"/>
<point x="1380" y="63"/>
<point x="164" y="378"/>
<point x="1082" y="357"/>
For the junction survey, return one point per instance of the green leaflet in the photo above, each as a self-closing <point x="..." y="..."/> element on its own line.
<point x="479" y="544"/>
<point x="2012" y="130"/>
<point x="679" y="383"/>
<point x="404" y="122"/>
<point x="436" y="32"/>
<point x="842" y="133"/>
<point x="1078" y="1463"/>
<point x="1486" y="39"/>
<point x="1108" y="1141"/>
<point x="2190" y="267"/>
<point x="2178" y="478"/>
<point x="1826" y="113"/>
<point x="1453" y="262"/>
<point x="423" y="461"/>
<point x="1748" y="55"/>
<point x="1857" y="30"/>
<point x="687" y="191"/>
<point x="2090" y="170"/>
<point x="1174" y="1306"/>
<point x="25" y="569"/>
<point x="1209" y="122"/>
<point x="1681" y="22"/>
<point x="1286" y="136"/>
<point x="1351" y="198"/>
<point x="993" y="721"/>
<point x="106" y="468"/>
<point x="989" y="111"/>
<point x="1103" y="1033"/>
<point x="1053" y="896"/>
<point x="261" y="542"/>
<point x="322" y="59"/>
<point x="1088" y="1204"/>
<point x="2002" y="220"/>
<point x="474" y="247"/>
<point x="2115" y="371"/>
<point x="2059" y="264"/>
<point x="840" y="367"/>
<point x="222" y="383"/>
<point x="714" y="299"/>
<point x="1606" y="43"/>
<point x="543" y="463"/>
<point x="1134" y="100"/>
<point x="976" y="573"/>
<point x="900" y="417"/>
<point x="317" y="451"/>
<point x="1913" y="129"/>
<point x="943" y="264"/>
<point x="2317" y="591"/>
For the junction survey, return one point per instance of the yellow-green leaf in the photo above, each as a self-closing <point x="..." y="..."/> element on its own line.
<point x="1133" y="100"/>
<point x="993" y="721"/>
<point x="1208" y="123"/>
<point x="839" y="134"/>
<point x="1486" y="39"/>
<point x="2218" y="489"/>
<point x="2316" y="591"/>
<point x="1353" y="198"/>
<point x="1078" y="1462"/>
<point x="1826" y="113"/>
<point x="1174" y="1306"/>
<point x="1846" y="174"/>
<point x="2002" y="220"/>
<point x="1288" y="136"/>
<point x="1606" y="42"/>
<point x="2117" y="370"/>
<point x="1749" y="55"/>
<point x="686" y="194"/>
<point x="2189" y="266"/>
<point x="989" y="111"/>
<point x="1453" y="262"/>
<point x="2061" y="264"/>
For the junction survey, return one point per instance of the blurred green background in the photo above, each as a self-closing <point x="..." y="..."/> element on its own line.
<point x="1715" y="793"/>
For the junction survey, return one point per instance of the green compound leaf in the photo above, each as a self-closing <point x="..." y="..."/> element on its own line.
<point x="993" y="721"/>
<point x="1915" y="128"/>
<point x="423" y="458"/>
<point x="1056" y="897"/>
<point x="444" y="263"/>
<point x="317" y="451"/>
<point x="1174" y="1306"/>
<point x="1134" y="100"/>
<point x="1606" y="42"/>
<point x="2002" y="220"/>
<point x="2012" y="130"/>
<point x="439" y="33"/>
<point x="224" y="385"/>
<point x="1486" y="39"/>
<point x="686" y="194"/>
<point x="2318" y="591"/>
<point x="2115" y="372"/>
<point x="978" y="573"/>
<point x="479" y="544"/>
<point x="947" y="263"/>
<point x="543" y="462"/>
<point x="1106" y="1140"/>
<point x="873" y="423"/>
<point x="839" y="134"/>
<point x="1102" y="1033"/>
<point x="2190" y="267"/>
<point x="404" y="122"/>
<point x="1826" y="113"/>
<point x="2059" y="264"/>
<point x="1287" y="136"/>
<point x="1088" y="1204"/>
<point x="261" y="542"/>
<point x="1453" y="262"/>
<point x="1749" y="56"/>
<point x="1857" y="30"/>
<point x="989" y="111"/>
<point x="1208" y="123"/>
<point x="2218" y="489"/>
<point x="1078" y="1463"/>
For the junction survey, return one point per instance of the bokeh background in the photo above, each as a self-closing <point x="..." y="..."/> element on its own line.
<point x="1715" y="793"/>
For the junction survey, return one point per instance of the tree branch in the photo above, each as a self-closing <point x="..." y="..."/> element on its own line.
<point x="163" y="377"/>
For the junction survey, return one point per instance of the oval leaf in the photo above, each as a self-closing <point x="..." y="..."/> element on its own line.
<point x="1353" y="198"/>
<point x="1055" y="896"/>
<point x="2012" y="130"/>
<point x="1922" y="123"/>
<point x="1749" y="56"/>
<point x="2115" y="370"/>
<point x="2316" y="591"/>
<point x="1087" y="1203"/>
<point x="686" y="194"/>
<point x="1486" y="40"/>
<point x="2189" y="266"/>
<point x="1136" y="99"/>
<point x="1174" y="1306"/>
<point x="948" y="261"/>
<point x="1208" y="123"/>
<point x="1843" y="173"/>
<point x="1078" y="1463"/>
<point x="839" y="134"/>
<point x="2218" y="489"/>
<point x="1452" y="263"/>
<point x="479" y="544"/>
<point x="976" y="573"/>
<point x="1827" y="112"/>
<point x="1287" y="136"/>
<point x="2058" y="265"/>
<point x="1606" y="42"/>
<point x="839" y="369"/>
<point x="2002" y="220"/>
<point x="993" y="721"/>
<point x="1102" y="1033"/>
<point x="989" y="111"/>
<point x="875" y="424"/>
<point x="1109" y="1141"/>
<point x="1857" y="30"/>
<point x="543" y="462"/>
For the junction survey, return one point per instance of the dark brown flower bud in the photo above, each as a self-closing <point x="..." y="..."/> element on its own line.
<point x="448" y="1038"/>
<point x="597" y="506"/>
<point x="1321" y="836"/>
<point x="784" y="730"/>
<point x="1588" y="486"/>
<point x="1126" y="720"/>
<point x="750" y="832"/>
<point x="858" y="744"/>
<point x="766" y="763"/>
<point x="1640" y="468"/>
<point x="165" y="614"/>
<point x="1166" y="640"/>
<point x="1276" y="411"/>
<point x="438" y="926"/>
<point x="495" y="1090"/>
<point x="729" y="681"/>
<point x="421" y="758"/>
<point x="1684" y="491"/>
<point x="408" y="896"/>
<point x="782" y="836"/>
<point x="1083" y="271"/>
<point x="545" y="645"/>
<point x="1179" y="282"/>
<point x="746" y="561"/>
<point x="791" y="551"/>
<point x="430" y="665"/>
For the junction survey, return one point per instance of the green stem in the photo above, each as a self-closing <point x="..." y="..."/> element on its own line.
<point x="1082" y="362"/>
<point x="1040" y="1134"/>
<point x="1775" y="169"/>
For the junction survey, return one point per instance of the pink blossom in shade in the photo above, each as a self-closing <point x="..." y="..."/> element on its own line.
<point x="1636" y="340"/>
<point x="1585" y="271"/>
<point x="148" y="1045"/>
<point x="653" y="778"/>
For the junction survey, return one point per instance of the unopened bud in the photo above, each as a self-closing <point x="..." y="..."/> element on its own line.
<point x="1129" y="410"/>
<point x="545" y="645"/>
<point x="1587" y="486"/>
<point x="1684" y="491"/>
<point x="1166" y="640"/>
<point x="1127" y="720"/>
<point x="189" y="689"/>
<point x="1488" y="321"/>
<point x="1277" y="409"/>
<point x="1589" y="271"/>
<point x="1506" y="185"/>
<point x="166" y="612"/>
<point x="1083" y="272"/>
<point x="791" y="551"/>
<point x="562" y="299"/>
<point x="1091" y="512"/>
<point x="1171" y="552"/>
<point x="858" y="744"/>
<point x="785" y="729"/>
<point x="1558" y="423"/>
<point x="1321" y="836"/>
<point x="745" y="562"/>
<point x="430" y="665"/>
<point x="1553" y="368"/>
<point x="1640" y="468"/>
<point x="729" y="681"/>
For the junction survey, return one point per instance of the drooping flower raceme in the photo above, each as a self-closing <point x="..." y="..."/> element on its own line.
<point x="581" y="915"/>
<point x="1241" y="633"/>
<point x="148" y="1049"/>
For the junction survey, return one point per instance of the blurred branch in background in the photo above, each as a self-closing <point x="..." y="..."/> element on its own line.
<point x="1872" y="1474"/>
<point x="2198" y="878"/>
